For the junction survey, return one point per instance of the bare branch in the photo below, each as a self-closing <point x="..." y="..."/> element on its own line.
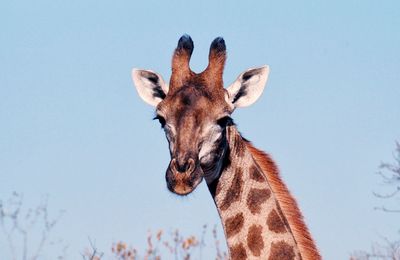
<point x="18" y="226"/>
<point x="386" y="251"/>
<point x="92" y="253"/>
<point x="383" y="208"/>
<point x="386" y="196"/>
<point x="390" y="174"/>
<point x="390" y="250"/>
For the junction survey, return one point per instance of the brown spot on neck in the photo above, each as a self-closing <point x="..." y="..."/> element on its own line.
<point x="234" y="224"/>
<point x="256" y="175"/>
<point x="256" y="198"/>
<point x="282" y="251"/>
<point x="254" y="240"/>
<point x="238" y="252"/>
<point x="235" y="190"/>
<point x="275" y="222"/>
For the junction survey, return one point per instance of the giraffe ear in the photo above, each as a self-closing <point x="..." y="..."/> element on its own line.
<point x="248" y="87"/>
<point x="150" y="86"/>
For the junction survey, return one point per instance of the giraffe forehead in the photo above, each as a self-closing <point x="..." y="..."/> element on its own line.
<point x="194" y="101"/>
<point x="190" y="93"/>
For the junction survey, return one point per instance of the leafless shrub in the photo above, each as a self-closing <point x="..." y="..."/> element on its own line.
<point x="172" y="245"/>
<point x="390" y="173"/>
<point x="17" y="224"/>
<point x="92" y="253"/>
<point x="388" y="250"/>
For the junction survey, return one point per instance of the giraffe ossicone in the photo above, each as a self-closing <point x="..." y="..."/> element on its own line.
<point x="261" y="219"/>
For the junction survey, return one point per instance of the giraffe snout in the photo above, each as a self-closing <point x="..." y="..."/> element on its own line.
<point x="183" y="176"/>
<point x="183" y="166"/>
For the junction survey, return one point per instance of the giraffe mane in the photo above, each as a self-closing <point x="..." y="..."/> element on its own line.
<point x="288" y="204"/>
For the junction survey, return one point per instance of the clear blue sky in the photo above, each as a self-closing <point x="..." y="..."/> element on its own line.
<point x="73" y="127"/>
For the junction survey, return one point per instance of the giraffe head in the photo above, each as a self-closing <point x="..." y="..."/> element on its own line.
<point x="194" y="110"/>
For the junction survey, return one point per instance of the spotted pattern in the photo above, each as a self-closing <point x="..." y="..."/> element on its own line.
<point x="256" y="175"/>
<point x="238" y="252"/>
<point x="235" y="190"/>
<point x="234" y="224"/>
<point x="282" y="251"/>
<point x="275" y="222"/>
<point x="256" y="198"/>
<point x="254" y="240"/>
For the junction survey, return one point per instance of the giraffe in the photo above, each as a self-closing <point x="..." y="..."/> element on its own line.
<point x="261" y="219"/>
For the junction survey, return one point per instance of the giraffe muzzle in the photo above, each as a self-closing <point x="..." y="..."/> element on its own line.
<point x="183" y="177"/>
<point x="184" y="168"/>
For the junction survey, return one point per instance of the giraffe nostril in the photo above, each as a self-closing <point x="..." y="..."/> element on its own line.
<point x="183" y="167"/>
<point x="191" y="165"/>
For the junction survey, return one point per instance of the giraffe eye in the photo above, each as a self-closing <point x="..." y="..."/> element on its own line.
<point x="161" y="120"/>
<point x="225" y="121"/>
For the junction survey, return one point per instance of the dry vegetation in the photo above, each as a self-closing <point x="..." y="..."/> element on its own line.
<point x="27" y="233"/>
<point x="172" y="245"/>
<point x="390" y="175"/>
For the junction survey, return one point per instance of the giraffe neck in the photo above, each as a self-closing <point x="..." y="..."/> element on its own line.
<point x="254" y="223"/>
